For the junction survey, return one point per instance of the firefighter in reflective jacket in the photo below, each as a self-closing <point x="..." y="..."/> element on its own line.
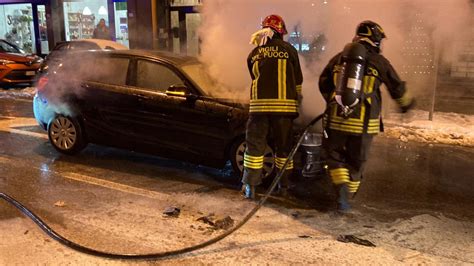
<point x="274" y="100"/>
<point x="350" y="84"/>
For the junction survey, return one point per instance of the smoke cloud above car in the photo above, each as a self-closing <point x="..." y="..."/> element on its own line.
<point x="228" y="24"/>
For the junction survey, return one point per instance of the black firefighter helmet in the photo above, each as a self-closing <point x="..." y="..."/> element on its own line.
<point x="370" y="32"/>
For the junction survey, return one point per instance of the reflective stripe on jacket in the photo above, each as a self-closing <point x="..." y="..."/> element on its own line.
<point x="276" y="78"/>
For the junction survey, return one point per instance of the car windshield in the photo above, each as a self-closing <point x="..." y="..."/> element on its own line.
<point x="9" y="48"/>
<point x="199" y="73"/>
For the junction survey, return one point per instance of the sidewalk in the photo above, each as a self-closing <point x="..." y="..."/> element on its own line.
<point x="446" y="128"/>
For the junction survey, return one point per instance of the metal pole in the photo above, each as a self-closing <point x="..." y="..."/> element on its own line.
<point x="154" y="25"/>
<point x="435" y="79"/>
<point x="36" y="31"/>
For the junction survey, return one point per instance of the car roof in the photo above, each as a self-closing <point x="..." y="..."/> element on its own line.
<point x="175" y="59"/>
<point x="102" y="44"/>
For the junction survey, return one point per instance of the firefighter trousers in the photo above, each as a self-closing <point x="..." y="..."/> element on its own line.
<point x="259" y="128"/>
<point x="346" y="156"/>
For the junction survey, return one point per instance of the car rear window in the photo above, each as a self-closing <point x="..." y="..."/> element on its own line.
<point x="152" y="75"/>
<point x="61" y="46"/>
<point x="78" y="45"/>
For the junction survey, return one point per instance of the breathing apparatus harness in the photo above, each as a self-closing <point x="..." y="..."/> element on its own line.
<point x="158" y="255"/>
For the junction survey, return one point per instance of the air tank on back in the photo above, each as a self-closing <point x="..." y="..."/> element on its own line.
<point x="349" y="82"/>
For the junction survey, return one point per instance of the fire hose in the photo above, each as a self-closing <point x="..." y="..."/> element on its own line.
<point x="68" y="243"/>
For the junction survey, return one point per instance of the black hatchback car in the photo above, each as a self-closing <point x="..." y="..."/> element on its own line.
<point x="152" y="102"/>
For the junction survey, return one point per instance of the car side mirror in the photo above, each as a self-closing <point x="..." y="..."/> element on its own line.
<point x="179" y="90"/>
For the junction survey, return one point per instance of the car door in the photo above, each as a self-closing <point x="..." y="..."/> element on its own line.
<point x="191" y="125"/>
<point x="108" y="102"/>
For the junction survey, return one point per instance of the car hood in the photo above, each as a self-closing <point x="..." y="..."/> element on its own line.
<point x="20" y="58"/>
<point x="233" y="102"/>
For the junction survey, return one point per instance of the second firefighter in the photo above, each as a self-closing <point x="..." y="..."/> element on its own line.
<point x="350" y="84"/>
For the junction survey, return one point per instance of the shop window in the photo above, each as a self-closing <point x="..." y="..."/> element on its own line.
<point x="16" y="26"/>
<point x="121" y="23"/>
<point x="193" y="21"/>
<point x="185" y="2"/>
<point x="43" y="29"/>
<point x="81" y="18"/>
<point x="184" y="24"/>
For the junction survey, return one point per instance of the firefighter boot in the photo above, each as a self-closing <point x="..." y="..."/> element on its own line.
<point x="282" y="191"/>
<point x="248" y="191"/>
<point x="283" y="186"/>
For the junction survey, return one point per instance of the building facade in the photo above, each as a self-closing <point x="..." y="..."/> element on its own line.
<point x="37" y="25"/>
<point x="25" y="24"/>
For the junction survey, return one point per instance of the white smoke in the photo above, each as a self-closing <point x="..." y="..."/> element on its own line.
<point x="228" y="24"/>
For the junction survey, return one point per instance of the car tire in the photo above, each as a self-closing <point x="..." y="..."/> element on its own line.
<point x="66" y="135"/>
<point x="237" y="160"/>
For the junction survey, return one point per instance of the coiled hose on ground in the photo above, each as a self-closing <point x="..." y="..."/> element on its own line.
<point x="68" y="243"/>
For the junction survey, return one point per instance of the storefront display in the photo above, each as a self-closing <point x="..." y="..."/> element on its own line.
<point x="185" y="2"/>
<point x="16" y="26"/>
<point x="43" y="29"/>
<point x="80" y="26"/>
<point x="37" y="26"/>
<point x="121" y="23"/>
<point x="184" y="26"/>
<point x="81" y="17"/>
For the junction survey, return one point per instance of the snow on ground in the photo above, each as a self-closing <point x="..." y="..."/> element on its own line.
<point x="12" y="93"/>
<point x="446" y="128"/>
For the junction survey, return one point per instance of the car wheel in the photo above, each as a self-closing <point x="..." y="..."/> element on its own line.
<point x="237" y="160"/>
<point x="66" y="135"/>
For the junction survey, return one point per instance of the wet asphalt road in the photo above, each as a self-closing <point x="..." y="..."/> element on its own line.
<point x="398" y="175"/>
<point x="402" y="179"/>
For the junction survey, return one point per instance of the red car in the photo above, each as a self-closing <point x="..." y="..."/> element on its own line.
<point x="16" y="66"/>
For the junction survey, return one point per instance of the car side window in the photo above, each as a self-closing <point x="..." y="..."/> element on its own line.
<point x="62" y="46"/>
<point x="109" y="70"/>
<point x="155" y="76"/>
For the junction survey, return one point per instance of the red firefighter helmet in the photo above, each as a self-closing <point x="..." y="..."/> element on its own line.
<point x="275" y="22"/>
